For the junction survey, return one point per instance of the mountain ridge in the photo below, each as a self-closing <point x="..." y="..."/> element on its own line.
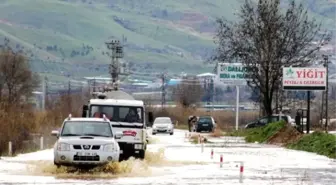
<point x="66" y="37"/>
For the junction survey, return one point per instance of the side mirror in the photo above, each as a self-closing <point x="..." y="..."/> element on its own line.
<point x="55" y="133"/>
<point x="84" y="110"/>
<point x="118" y="135"/>
<point x="150" y="117"/>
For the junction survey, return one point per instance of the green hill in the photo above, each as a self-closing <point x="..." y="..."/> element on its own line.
<point x="65" y="37"/>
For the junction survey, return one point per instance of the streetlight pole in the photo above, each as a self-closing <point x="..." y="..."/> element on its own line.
<point x="116" y="53"/>
<point x="326" y="65"/>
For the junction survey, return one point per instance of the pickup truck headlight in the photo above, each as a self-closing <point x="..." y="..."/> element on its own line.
<point x="109" y="148"/>
<point x="63" y="147"/>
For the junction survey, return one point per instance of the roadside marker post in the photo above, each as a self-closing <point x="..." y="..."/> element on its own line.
<point x="199" y="139"/>
<point x="10" y="148"/>
<point x="212" y="153"/>
<point x="241" y="171"/>
<point x="202" y="144"/>
<point x="221" y="161"/>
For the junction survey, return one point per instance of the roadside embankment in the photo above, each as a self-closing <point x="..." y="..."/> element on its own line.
<point x="281" y="134"/>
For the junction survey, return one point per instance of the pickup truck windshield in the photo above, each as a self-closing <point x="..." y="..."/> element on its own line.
<point x="87" y="128"/>
<point x="118" y="113"/>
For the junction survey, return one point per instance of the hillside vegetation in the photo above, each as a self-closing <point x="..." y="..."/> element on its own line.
<point x="65" y="37"/>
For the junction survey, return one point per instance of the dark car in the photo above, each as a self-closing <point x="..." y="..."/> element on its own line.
<point x="267" y="120"/>
<point x="205" y="123"/>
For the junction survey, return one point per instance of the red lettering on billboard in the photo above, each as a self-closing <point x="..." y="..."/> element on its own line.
<point x="311" y="73"/>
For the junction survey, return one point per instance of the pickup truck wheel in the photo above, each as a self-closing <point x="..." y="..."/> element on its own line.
<point x="171" y="133"/>
<point x="57" y="165"/>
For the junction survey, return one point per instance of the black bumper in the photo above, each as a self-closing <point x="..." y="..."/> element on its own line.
<point x="129" y="147"/>
<point x="201" y="128"/>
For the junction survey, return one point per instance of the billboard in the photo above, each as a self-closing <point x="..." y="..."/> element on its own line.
<point x="304" y="78"/>
<point x="232" y="73"/>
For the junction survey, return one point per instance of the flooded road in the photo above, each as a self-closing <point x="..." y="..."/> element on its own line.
<point x="183" y="163"/>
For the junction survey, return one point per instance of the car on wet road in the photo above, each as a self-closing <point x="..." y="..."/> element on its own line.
<point x="163" y="125"/>
<point x="85" y="142"/>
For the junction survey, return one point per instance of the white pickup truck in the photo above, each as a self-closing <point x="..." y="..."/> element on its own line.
<point x="85" y="141"/>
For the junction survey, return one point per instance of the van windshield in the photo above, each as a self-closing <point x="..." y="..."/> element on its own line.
<point x="118" y="113"/>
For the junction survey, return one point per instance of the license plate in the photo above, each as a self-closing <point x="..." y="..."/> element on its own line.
<point x="204" y="124"/>
<point x="86" y="154"/>
<point x="138" y="146"/>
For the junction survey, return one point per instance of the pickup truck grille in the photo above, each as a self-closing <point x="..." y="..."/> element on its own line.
<point x="86" y="158"/>
<point x="79" y="147"/>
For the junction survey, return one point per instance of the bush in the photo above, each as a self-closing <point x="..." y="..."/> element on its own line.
<point x="262" y="134"/>
<point x="317" y="142"/>
<point x="21" y="124"/>
<point x="217" y="133"/>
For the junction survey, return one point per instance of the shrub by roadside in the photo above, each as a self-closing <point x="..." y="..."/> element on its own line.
<point x="287" y="136"/>
<point x="316" y="142"/>
<point x="194" y="139"/>
<point x="260" y="134"/>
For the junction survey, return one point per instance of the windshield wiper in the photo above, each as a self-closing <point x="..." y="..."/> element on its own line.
<point x="98" y="135"/>
<point x="70" y="135"/>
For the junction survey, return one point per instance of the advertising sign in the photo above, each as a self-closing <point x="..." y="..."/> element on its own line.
<point x="304" y="78"/>
<point x="232" y="73"/>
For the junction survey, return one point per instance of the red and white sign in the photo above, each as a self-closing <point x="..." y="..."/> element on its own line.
<point x="304" y="78"/>
<point x="129" y="133"/>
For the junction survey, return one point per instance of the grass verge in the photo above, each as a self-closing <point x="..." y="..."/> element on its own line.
<point x="278" y="132"/>
<point x="260" y="134"/>
<point x="316" y="142"/>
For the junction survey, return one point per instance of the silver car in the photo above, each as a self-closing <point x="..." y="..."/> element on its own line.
<point x="85" y="141"/>
<point x="163" y="125"/>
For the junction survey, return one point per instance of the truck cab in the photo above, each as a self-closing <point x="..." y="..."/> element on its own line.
<point x="126" y="116"/>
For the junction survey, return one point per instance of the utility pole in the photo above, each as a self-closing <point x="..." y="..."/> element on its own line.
<point x="213" y="93"/>
<point x="94" y="85"/>
<point x="116" y="53"/>
<point x="69" y="93"/>
<point x="326" y="65"/>
<point x="207" y="88"/>
<point x="163" y="91"/>
<point x="44" y="93"/>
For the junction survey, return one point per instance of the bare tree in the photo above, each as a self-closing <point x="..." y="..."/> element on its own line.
<point x="265" y="39"/>
<point x="189" y="92"/>
<point x="18" y="81"/>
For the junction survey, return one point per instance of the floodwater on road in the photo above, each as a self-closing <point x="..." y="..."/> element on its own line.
<point x="186" y="164"/>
